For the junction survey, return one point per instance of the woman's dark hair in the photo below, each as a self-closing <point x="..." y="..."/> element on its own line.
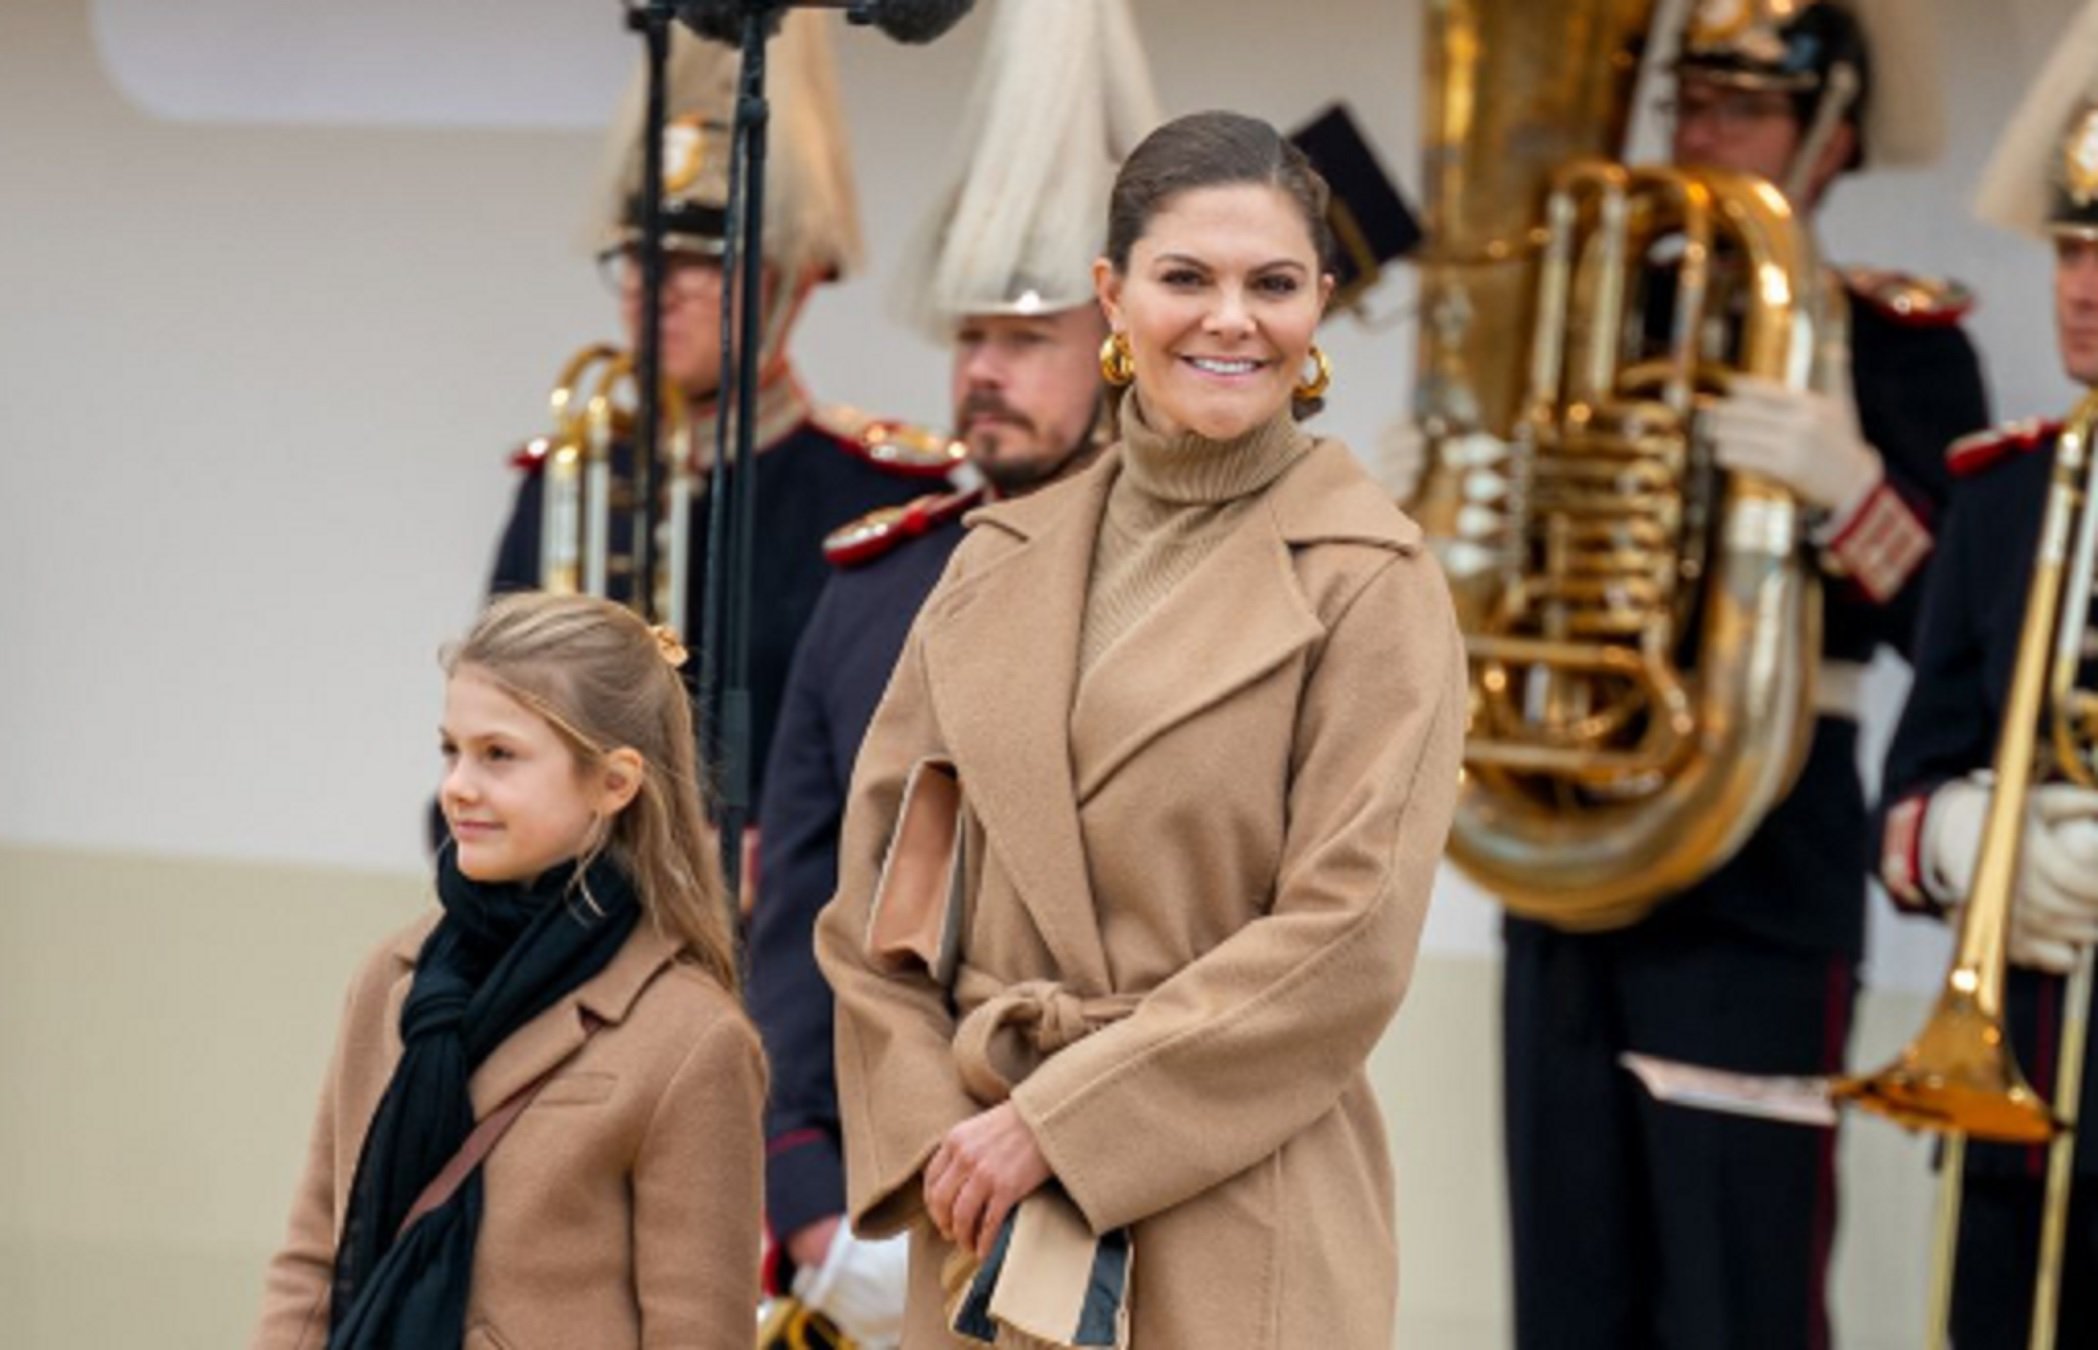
<point x="1211" y="149"/>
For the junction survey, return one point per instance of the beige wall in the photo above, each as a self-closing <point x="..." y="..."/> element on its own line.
<point x="164" y="1024"/>
<point x="260" y="376"/>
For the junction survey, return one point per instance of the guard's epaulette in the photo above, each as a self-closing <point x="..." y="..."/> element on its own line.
<point x="531" y="456"/>
<point x="1970" y="454"/>
<point x="901" y="448"/>
<point x="879" y="531"/>
<point x="1911" y="301"/>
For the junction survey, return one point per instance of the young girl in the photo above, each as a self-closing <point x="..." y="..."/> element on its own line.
<point x="579" y="968"/>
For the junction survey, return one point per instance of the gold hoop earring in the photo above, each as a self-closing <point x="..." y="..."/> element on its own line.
<point x="1117" y="362"/>
<point x="1314" y="389"/>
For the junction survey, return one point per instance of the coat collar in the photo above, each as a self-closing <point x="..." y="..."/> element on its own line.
<point x="1001" y="649"/>
<point x="555" y="1034"/>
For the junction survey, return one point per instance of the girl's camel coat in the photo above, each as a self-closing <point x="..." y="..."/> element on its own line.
<point x="622" y="1209"/>
<point x="1232" y="821"/>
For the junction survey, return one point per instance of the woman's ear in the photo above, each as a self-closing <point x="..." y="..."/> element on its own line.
<point x="618" y="780"/>
<point x="1107" y="284"/>
<point x="1326" y="284"/>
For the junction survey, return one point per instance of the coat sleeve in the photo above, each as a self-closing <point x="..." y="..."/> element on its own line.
<point x="799" y="817"/>
<point x="698" y="1196"/>
<point x="517" y="555"/>
<point x="1918" y="390"/>
<point x="1245" y="1047"/>
<point x="301" y="1275"/>
<point x="1947" y="727"/>
<point x="898" y="1090"/>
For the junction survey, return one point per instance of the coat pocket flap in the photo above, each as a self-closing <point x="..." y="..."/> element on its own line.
<point x="917" y="912"/>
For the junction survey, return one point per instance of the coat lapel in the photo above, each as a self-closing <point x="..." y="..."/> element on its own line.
<point x="1241" y="614"/>
<point x="553" y="1035"/>
<point x="1237" y="616"/>
<point x="1001" y="653"/>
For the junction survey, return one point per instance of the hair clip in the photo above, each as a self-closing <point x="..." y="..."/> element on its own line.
<point x="667" y="643"/>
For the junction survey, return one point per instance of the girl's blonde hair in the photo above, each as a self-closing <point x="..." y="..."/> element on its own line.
<point x="602" y="679"/>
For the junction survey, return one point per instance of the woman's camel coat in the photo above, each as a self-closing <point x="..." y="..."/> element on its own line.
<point x="623" y="1207"/>
<point x="1233" y="822"/>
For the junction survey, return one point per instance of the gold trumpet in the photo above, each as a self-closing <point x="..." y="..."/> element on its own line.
<point x="1959" y="1075"/>
<point x="584" y="488"/>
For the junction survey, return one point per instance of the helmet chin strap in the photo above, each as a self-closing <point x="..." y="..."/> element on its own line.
<point x="1838" y="93"/>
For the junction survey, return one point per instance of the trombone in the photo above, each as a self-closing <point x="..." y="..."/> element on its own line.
<point x="584" y="488"/>
<point x="1959" y="1076"/>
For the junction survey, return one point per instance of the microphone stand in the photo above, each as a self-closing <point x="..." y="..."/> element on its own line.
<point x="732" y="504"/>
<point x="652" y="20"/>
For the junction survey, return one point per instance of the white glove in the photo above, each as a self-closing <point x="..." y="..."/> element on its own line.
<point x="1808" y="441"/>
<point x="2056" y="910"/>
<point x="860" y="1286"/>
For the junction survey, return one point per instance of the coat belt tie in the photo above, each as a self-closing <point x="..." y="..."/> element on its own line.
<point x="1014" y="1027"/>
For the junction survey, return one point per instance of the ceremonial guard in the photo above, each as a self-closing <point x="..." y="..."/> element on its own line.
<point x="1641" y="1224"/>
<point x="817" y="468"/>
<point x="2042" y="182"/>
<point x="1002" y="272"/>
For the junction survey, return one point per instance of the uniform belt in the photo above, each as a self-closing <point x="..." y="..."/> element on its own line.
<point x="1839" y="689"/>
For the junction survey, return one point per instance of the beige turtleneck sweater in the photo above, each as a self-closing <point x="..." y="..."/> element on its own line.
<point x="1174" y="501"/>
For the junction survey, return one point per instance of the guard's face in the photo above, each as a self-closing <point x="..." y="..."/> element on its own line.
<point x="691" y="318"/>
<point x="1719" y="126"/>
<point x="1220" y="302"/>
<point x="2076" y="305"/>
<point x="1026" y="391"/>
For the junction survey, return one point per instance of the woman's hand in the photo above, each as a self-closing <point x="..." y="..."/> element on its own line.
<point x="985" y="1166"/>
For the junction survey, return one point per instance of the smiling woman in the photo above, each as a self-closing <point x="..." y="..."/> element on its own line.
<point x="1204" y="703"/>
<point x="1215" y="288"/>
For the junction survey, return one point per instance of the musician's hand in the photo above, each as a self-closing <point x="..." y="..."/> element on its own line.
<point x="2056" y="907"/>
<point x="2056" y="911"/>
<point x="1951" y="844"/>
<point x="985" y="1166"/>
<point x="1808" y="441"/>
<point x="857" y="1283"/>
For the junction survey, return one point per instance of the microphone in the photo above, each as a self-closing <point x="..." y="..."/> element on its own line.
<point x="913" y="21"/>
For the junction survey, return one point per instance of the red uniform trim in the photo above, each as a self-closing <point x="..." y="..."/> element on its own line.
<point x="1969" y="455"/>
<point x="896" y="448"/>
<point x="1901" y="856"/>
<point x="1882" y="543"/>
<point x="1910" y="301"/>
<point x="531" y="456"/>
<point x="880" y="532"/>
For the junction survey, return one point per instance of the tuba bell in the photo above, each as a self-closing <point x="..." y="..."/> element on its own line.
<point x="1641" y="627"/>
<point x="588" y="487"/>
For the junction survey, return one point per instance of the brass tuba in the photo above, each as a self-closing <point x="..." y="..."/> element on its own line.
<point x="585" y="489"/>
<point x="1641" y="628"/>
<point x="1959" y="1076"/>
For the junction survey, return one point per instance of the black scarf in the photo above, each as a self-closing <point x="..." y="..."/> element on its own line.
<point x="501" y="955"/>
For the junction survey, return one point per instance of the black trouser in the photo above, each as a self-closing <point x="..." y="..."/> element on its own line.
<point x="1639" y="1226"/>
<point x="1999" y="1252"/>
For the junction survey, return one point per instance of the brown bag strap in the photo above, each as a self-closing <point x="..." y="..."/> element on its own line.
<point x="486" y="1132"/>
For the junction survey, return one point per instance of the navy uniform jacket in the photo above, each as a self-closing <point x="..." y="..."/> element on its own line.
<point x="839" y="676"/>
<point x="1797" y="881"/>
<point x="1966" y="647"/>
<point x="811" y="479"/>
